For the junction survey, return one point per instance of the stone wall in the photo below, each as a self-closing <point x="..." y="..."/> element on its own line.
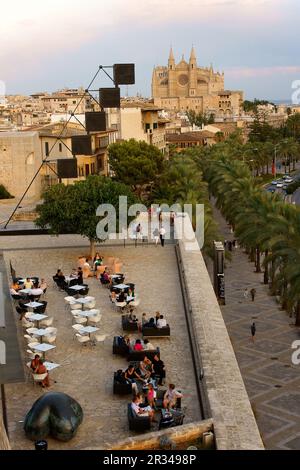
<point x="179" y="435"/>
<point x="234" y="423"/>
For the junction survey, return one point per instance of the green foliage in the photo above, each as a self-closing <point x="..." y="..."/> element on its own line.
<point x="292" y="187"/>
<point x="4" y="194"/>
<point x="72" y="208"/>
<point x="200" y="119"/>
<point x="135" y="163"/>
<point x="252" y="106"/>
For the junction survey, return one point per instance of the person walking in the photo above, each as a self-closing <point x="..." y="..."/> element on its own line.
<point x="162" y="233"/>
<point x="246" y="293"/>
<point x="253" y="292"/>
<point x="156" y="235"/>
<point x="253" y="331"/>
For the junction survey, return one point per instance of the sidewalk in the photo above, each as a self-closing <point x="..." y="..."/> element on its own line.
<point x="271" y="380"/>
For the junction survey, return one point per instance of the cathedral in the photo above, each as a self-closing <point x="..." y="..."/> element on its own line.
<point x="186" y="86"/>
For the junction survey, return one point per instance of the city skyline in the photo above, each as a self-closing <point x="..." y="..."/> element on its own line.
<point x="62" y="45"/>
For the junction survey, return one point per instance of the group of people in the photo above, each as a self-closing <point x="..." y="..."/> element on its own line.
<point x="36" y="289"/>
<point x="60" y="278"/>
<point x="154" y="322"/>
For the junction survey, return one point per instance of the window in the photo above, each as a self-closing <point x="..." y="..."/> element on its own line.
<point x="155" y="125"/>
<point x="47" y="149"/>
<point x="80" y="171"/>
<point x="87" y="169"/>
<point x="147" y="127"/>
<point x="60" y="147"/>
<point x="92" y="168"/>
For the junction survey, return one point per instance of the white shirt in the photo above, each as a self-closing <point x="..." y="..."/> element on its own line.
<point x="36" y="291"/>
<point x="14" y="292"/>
<point x="161" y="322"/>
<point x="162" y="231"/>
<point x="135" y="408"/>
<point x="148" y="346"/>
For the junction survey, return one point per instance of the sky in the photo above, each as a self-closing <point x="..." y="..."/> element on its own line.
<point x="54" y="44"/>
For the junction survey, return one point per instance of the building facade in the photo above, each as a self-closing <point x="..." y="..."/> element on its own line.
<point x="186" y="86"/>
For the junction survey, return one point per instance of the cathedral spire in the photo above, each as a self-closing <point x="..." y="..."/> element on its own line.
<point x="193" y="55"/>
<point x="171" y="55"/>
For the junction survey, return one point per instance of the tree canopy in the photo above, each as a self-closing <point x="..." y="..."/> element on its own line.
<point x="72" y="208"/>
<point x="135" y="163"/>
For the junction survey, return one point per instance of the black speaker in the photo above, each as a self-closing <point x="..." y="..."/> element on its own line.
<point x="81" y="145"/>
<point x="67" y="168"/>
<point x="109" y="97"/>
<point x="95" y="121"/>
<point x="124" y="74"/>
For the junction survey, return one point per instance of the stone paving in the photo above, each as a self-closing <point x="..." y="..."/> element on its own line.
<point x="86" y="372"/>
<point x="272" y="381"/>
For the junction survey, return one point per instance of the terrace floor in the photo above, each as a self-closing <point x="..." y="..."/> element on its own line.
<point x="86" y="372"/>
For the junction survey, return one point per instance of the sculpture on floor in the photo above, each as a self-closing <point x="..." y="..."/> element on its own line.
<point x="55" y="414"/>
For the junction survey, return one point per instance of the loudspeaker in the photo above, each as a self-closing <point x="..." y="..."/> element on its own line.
<point x="124" y="74"/>
<point x="67" y="168"/>
<point x="95" y="121"/>
<point x="109" y="97"/>
<point x="81" y="145"/>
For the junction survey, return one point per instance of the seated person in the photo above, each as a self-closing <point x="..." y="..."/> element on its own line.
<point x="36" y="292"/>
<point x="151" y="395"/>
<point x="122" y="296"/>
<point x="105" y="277"/>
<point x="132" y="318"/>
<point x="43" y="285"/>
<point x="79" y="276"/>
<point x="15" y="286"/>
<point x="41" y="369"/>
<point x="60" y="279"/>
<point x="121" y="379"/>
<point x="170" y="397"/>
<point x="124" y="343"/>
<point x="138" y="345"/>
<point x="147" y="345"/>
<point x="28" y="284"/>
<point x="140" y="410"/>
<point x="35" y="362"/>
<point x="98" y="260"/>
<point x="157" y="315"/>
<point x="113" y="296"/>
<point x="132" y="375"/>
<point x="150" y="324"/>
<point x="144" y="319"/>
<point x="14" y="293"/>
<point x="161" y="322"/>
<point x="146" y="368"/>
<point x="158" y="369"/>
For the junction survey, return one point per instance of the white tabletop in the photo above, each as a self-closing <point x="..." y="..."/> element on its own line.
<point x="88" y="329"/>
<point x="121" y="286"/>
<point x="44" y="347"/>
<point x="38" y="316"/>
<point x="25" y="279"/>
<point x="50" y="365"/>
<point x="116" y="275"/>
<point x="70" y="278"/>
<point x="129" y="298"/>
<point x="87" y="313"/>
<point x="83" y="300"/>
<point x="33" y="304"/>
<point x="42" y="332"/>
<point x="77" y="287"/>
<point x="25" y="291"/>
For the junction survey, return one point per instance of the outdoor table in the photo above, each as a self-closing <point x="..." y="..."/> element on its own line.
<point x="121" y="286"/>
<point x="88" y="313"/>
<point x="129" y="298"/>
<point x="41" y="332"/>
<point x="83" y="300"/>
<point x="25" y="291"/>
<point x="78" y="287"/>
<point x="43" y="347"/>
<point x="37" y="317"/>
<point x="51" y="365"/>
<point x="33" y="304"/>
<point x="88" y="329"/>
<point x="21" y="281"/>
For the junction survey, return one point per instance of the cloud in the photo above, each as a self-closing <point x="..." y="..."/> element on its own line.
<point x="256" y="72"/>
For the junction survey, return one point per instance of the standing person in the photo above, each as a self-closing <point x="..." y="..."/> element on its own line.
<point x="253" y="331"/>
<point x="162" y="233"/>
<point x="156" y="235"/>
<point x="246" y="293"/>
<point x="138" y="231"/>
<point x="158" y="211"/>
<point x="253" y="292"/>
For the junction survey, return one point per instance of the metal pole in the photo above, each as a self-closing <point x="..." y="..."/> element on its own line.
<point x="4" y="409"/>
